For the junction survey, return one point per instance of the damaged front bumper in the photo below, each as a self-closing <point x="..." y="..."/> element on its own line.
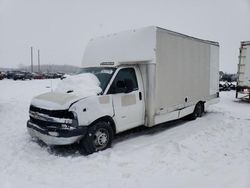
<point x="57" y="136"/>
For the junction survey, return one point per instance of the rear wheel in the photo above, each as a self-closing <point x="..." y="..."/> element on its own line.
<point x="99" y="137"/>
<point x="198" y="111"/>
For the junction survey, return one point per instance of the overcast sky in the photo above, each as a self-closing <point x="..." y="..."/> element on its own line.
<point x="62" y="28"/>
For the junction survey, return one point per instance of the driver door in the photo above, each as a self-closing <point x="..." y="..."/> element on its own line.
<point x="127" y="100"/>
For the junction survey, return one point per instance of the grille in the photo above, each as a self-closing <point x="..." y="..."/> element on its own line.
<point x="53" y="113"/>
<point x="46" y="125"/>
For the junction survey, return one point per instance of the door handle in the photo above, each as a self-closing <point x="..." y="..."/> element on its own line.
<point x="140" y="96"/>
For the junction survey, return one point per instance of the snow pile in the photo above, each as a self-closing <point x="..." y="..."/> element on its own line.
<point x="210" y="152"/>
<point x="82" y="84"/>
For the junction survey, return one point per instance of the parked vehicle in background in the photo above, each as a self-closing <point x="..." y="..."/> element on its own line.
<point x="22" y="75"/>
<point x="147" y="76"/>
<point x="67" y="75"/>
<point x="233" y="85"/>
<point x="19" y="76"/>
<point x="25" y="75"/>
<point x="229" y="77"/>
<point x="10" y="74"/>
<point x="243" y="80"/>
<point x="48" y="75"/>
<point x="224" y="86"/>
<point x="55" y="75"/>
<point x="38" y="76"/>
<point x="227" y="86"/>
<point x="1" y="76"/>
<point x="28" y="76"/>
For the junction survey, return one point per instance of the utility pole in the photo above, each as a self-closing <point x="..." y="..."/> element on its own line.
<point x="31" y="58"/>
<point x="38" y="56"/>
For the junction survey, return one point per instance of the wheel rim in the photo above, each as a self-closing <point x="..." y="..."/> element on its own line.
<point x="101" y="139"/>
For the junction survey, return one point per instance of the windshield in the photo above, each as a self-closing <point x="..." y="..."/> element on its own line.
<point x="104" y="74"/>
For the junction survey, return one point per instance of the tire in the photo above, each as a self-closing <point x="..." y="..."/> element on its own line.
<point x="98" y="137"/>
<point x="198" y="111"/>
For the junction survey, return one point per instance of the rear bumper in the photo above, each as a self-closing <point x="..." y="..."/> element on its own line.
<point x="56" y="137"/>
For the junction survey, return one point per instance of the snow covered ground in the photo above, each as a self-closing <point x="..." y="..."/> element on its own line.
<point x="210" y="152"/>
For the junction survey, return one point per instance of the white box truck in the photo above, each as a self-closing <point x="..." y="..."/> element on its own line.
<point x="147" y="76"/>
<point x="243" y="73"/>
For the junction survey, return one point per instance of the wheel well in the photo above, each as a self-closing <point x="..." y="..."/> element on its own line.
<point x="106" y="119"/>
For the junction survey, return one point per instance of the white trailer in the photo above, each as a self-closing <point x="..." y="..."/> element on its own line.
<point x="148" y="76"/>
<point x="243" y="73"/>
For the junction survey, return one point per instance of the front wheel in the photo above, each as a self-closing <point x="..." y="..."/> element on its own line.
<point x="99" y="137"/>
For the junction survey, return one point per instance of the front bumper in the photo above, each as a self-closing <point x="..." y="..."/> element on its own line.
<point x="56" y="137"/>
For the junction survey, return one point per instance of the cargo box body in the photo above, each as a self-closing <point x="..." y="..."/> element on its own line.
<point x="186" y="71"/>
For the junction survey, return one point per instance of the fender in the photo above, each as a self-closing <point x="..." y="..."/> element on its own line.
<point x="92" y="108"/>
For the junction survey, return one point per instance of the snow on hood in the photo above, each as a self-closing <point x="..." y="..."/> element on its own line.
<point x="82" y="85"/>
<point x="69" y="90"/>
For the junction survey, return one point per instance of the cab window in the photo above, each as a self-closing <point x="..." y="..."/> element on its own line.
<point x="124" y="82"/>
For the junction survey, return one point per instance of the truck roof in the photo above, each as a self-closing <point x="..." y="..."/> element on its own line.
<point x="190" y="37"/>
<point x="137" y="45"/>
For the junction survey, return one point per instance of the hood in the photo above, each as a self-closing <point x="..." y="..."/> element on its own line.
<point x="55" y="100"/>
<point x="68" y="91"/>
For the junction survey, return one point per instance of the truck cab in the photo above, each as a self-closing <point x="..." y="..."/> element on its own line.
<point x="119" y="107"/>
<point x="121" y="99"/>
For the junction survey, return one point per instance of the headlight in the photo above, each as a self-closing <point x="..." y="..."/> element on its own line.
<point x="75" y="120"/>
<point x="68" y="121"/>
